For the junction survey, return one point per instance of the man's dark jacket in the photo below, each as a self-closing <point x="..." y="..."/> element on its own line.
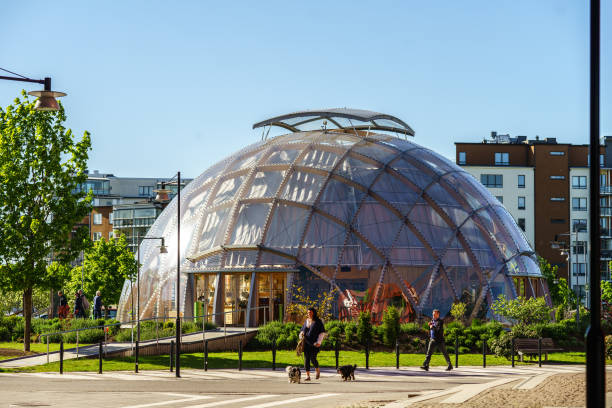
<point x="436" y="331"/>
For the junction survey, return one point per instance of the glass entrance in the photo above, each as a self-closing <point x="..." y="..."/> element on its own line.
<point x="237" y="289"/>
<point x="271" y="291"/>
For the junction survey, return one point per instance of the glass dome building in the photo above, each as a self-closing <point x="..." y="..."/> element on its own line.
<point x="340" y="202"/>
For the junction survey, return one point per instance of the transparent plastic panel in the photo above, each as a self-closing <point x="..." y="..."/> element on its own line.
<point x="240" y="259"/>
<point x="501" y="285"/>
<point x="228" y="189"/>
<point x="531" y="266"/>
<point x="465" y="184"/>
<point x="375" y="151"/>
<point x="377" y="224"/>
<point x="286" y="228"/>
<point x="441" y="297"/>
<point x="269" y="259"/>
<point x="213" y="229"/>
<point x="398" y="143"/>
<point x="303" y="187"/>
<point x="435" y="230"/>
<point x="266" y="183"/>
<point x="413" y="173"/>
<point x="246" y="161"/>
<point x="322" y="242"/>
<point x="196" y="203"/>
<point x="358" y="171"/>
<point x="466" y="282"/>
<point x="497" y="231"/>
<point x="512" y="229"/>
<point x="456" y="255"/>
<point x="340" y="200"/>
<point x="342" y="140"/>
<point x="409" y="250"/>
<point x="320" y="159"/>
<point x="250" y="221"/>
<point x="283" y="156"/>
<point x="398" y="194"/>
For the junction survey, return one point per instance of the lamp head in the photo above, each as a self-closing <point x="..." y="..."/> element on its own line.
<point x="162" y="194"/>
<point x="163" y="249"/>
<point x="46" y="98"/>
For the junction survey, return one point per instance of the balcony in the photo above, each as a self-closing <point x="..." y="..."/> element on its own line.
<point x="605" y="190"/>
<point x="605" y="233"/>
<point x="607" y="211"/>
<point x="606" y="254"/>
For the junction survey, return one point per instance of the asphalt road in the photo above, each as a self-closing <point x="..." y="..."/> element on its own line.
<point x="253" y="388"/>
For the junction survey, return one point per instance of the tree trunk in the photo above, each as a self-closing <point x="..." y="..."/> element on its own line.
<point x="27" y="315"/>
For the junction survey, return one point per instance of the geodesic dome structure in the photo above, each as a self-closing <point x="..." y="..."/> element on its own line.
<point x="375" y="216"/>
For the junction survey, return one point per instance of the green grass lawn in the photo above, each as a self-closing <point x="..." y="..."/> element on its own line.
<point x="35" y="348"/>
<point x="263" y="359"/>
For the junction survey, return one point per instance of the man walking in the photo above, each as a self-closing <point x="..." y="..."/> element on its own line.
<point x="436" y="339"/>
<point x="97" y="301"/>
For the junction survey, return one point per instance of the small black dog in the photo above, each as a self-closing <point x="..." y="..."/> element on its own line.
<point x="294" y="374"/>
<point x="347" y="372"/>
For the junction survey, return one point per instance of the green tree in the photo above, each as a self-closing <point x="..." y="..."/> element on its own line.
<point x="458" y="310"/>
<point x="41" y="166"/>
<point x="606" y="291"/>
<point x="521" y="310"/>
<point x="364" y="328"/>
<point x="11" y="302"/>
<point x="560" y="292"/>
<point x="106" y="266"/>
<point x="391" y="325"/>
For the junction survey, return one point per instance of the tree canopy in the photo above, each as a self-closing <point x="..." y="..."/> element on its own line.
<point x="106" y="266"/>
<point x="41" y="166"/>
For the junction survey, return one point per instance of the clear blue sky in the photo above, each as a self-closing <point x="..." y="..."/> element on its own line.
<point x="166" y="86"/>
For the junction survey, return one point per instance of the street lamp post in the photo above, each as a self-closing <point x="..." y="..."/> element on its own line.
<point x="46" y="98"/>
<point x="162" y="250"/>
<point x="162" y="194"/>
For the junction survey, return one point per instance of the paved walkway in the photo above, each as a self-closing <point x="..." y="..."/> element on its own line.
<point x="259" y="388"/>
<point x="90" y="351"/>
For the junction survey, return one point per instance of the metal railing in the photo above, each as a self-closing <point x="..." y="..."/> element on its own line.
<point x="134" y="324"/>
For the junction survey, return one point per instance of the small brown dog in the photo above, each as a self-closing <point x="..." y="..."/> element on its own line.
<point x="294" y="374"/>
<point x="347" y="372"/>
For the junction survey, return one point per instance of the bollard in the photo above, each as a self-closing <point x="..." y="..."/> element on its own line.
<point x="274" y="354"/>
<point x="512" y="352"/>
<point x="206" y="355"/>
<point x="484" y="354"/>
<point x="136" y="363"/>
<point x="100" y="359"/>
<point x="456" y="351"/>
<point x="171" y="355"/>
<point x="61" y="356"/>
<point x="337" y="352"/>
<point x="540" y="352"/>
<point x="240" y="355"/>
<point x="397" y="354"/>
<point x="47" y="349"/>
<point x="367" y="355"/>
<point x="77" y="344"/>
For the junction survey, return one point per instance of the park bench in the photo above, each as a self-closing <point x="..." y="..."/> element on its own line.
<point x="530" y="347"/>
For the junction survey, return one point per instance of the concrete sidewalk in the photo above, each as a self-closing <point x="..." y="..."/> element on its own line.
<point x="113" y="348"/>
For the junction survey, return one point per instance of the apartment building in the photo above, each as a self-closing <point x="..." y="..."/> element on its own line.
<point x="544" y="186"/>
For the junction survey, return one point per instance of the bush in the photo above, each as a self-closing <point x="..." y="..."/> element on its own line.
<point x="169" y="324"/>
<point x="608" y="344"/>
<point x="188" y="327"/>
<point x="411" y="329"/>
<point x="390" y="325"/>
<point x="285" y="336"/>
<point x="350" y="332"/>
<point x="5" y="334"/>
<point x="502" y="345"/>
<point x="364" y="328"/>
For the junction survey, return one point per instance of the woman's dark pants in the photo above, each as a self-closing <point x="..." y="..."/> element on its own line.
<point x="310" y="355"/>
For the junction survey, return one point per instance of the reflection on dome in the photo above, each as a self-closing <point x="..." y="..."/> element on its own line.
<point x="379" y="218"/>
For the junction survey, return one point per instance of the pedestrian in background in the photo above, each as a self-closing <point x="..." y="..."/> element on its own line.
<point x="313" y="333"/>
<point x="79" y="312"/>
<point x="97" y="306"/>
<point x="63" y="309"/>
<point x="436" y="339"/>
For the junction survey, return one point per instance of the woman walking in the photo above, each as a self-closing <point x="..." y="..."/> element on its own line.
<point x="313" y="332"/>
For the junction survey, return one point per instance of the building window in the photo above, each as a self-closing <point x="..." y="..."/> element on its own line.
<point x="97" y="236"/>
<point x="579" y="269"/>
<point x="557" y="198"/>
<point x="602" y="180"/>
<point x="601" y="160"/>
<point x="579" y="182"/>
<point x="500" y="199"/>
<point x="557" y="220"/>
<point x="579" y="247"/>
<point x="492" y="180"/>
<point x="461" y="157"/>
<point x="521" y="224"/>
<point x="110" y="218"/>
<point x="502" y="159"/>
<point x="521" y="203"/>
<point x="145" y="190"/>
<point x="579" y="225"/>
<point x="557" y="177"/>
<point x="97" y="219"/>
<point x="579" y="204"/>
<point x="557" y="153"/>
<point x="110" y="235"/>
<point x="521" y="181"/>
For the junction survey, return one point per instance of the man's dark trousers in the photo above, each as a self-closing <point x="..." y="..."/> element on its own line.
<point x="430" y="350"/>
